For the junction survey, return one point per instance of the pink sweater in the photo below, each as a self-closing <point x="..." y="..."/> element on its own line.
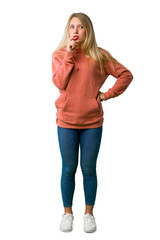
<point x="78" y="105"/>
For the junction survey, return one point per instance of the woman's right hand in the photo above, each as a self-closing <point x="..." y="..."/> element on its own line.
<point x="71" y="45"/>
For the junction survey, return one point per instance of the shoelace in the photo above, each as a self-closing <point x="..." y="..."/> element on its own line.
<point x="89" y="218"/>
<point x="67" y="217"/>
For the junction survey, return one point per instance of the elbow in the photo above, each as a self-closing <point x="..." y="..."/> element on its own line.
<point x="130" y="76"/>
<point x="61" y="87"/>
<point x="58" y="84"/>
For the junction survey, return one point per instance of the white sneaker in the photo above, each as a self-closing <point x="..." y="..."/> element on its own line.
<point x="66" y="224"/>
<point x="89" y="223"/>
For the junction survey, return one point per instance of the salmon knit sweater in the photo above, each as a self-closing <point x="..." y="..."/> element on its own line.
<point x="78" y="105"/>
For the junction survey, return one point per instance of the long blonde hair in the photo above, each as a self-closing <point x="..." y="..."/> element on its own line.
<point x="89" y="45"/>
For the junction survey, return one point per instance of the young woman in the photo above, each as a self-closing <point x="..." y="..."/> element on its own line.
<point x="79" y="70"/>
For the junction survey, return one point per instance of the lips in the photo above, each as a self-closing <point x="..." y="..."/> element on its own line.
<point x="75" y="37"/>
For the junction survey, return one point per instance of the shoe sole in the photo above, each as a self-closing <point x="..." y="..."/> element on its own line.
<point x="66" y="230"/>
<point x="90" y="231"/>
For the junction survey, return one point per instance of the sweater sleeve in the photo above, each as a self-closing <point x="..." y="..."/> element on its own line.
<point x="123" y="75"/>
<point x="61" y="70"/>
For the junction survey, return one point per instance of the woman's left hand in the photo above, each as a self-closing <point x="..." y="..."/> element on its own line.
<point x="101" y="96"/>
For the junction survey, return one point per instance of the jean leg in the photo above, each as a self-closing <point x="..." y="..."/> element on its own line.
<point x="90" y="140"/>
<point x="69" y="148"/>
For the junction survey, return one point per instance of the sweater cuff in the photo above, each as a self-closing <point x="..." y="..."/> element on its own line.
<point x="108" y="95"/>
<point x="68" y="56"/>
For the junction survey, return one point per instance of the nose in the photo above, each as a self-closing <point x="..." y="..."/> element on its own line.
<point x="75" y="30"/>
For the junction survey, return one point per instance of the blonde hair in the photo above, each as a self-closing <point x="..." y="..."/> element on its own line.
<point x="89" y="45"/>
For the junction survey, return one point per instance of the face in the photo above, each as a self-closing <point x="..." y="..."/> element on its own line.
<point x="77" y="28"/>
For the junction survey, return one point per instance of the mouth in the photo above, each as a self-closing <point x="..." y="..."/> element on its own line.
<point x="75" y="37"/>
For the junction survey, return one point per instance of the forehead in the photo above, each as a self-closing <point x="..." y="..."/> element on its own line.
<point x="75" y="21"/>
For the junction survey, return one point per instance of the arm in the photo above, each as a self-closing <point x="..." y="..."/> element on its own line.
<point x="61" y="70"/>
<point x="124" y="78"/>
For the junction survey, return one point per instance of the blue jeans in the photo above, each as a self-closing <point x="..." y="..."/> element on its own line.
<point x="69" y="141"/>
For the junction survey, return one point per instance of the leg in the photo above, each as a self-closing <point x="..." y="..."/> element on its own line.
<point x="69" y="148"/>
<point x="90" y="140"/>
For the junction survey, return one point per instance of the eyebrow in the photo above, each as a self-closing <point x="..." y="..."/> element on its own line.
<point x="75" y="24"/>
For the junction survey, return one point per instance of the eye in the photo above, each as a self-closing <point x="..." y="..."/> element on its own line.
<point x="73" y="27"/>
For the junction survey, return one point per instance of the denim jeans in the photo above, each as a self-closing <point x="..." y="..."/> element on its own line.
<point x="69" y="141"/>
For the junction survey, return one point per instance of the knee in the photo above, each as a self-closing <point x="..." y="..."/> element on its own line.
<point x="88" y="171"/>
<point x="69" y="171"/>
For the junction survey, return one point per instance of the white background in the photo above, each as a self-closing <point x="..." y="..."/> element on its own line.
<point x="128" y="197"/>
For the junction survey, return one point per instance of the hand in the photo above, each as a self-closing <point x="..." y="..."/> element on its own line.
<point x="101" y="96"/>
<point x="71" y="45"/>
